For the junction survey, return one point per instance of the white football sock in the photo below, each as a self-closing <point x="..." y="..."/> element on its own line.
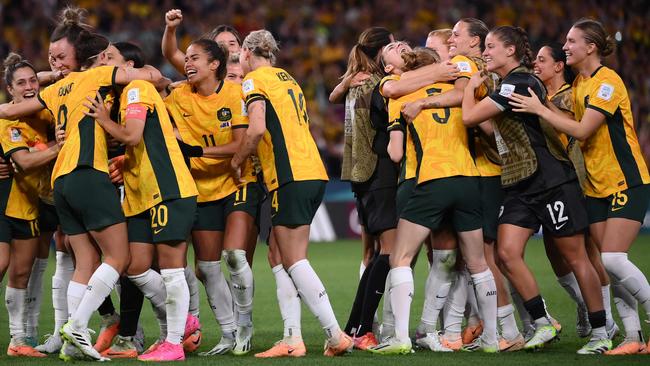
<point x="607" y="303"/>
<point x="193" y="286"/>
<point x="63" y="271"/>
<point x="454" y="310"/>
<point x="486" y="297"/>
<point x="629" y="276"/>
<point x="436" y="287"/>
<point x="76" y="291"/>
<point x="15" y="302"/>
<point x="152" y="286"/>
<point x="100" y="285"/>
<point x="313" y="294"/>
<point x="387" y="318"/>
<point x="627" y="308"/>
<point x="507" y="321"/>
<point x="219" y="295"/>
<point x="177" y="303"/>
<point x="401" y="296"/>
<point x="288" y="301"/>
<point x="34" y="297"/>
<point x="241" y="277"/>
<point x="570" y="284"/>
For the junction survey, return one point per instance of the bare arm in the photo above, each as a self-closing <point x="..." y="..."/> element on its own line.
<point x="226" y="150"/>
<point x="254" y="133"/>
<point x="48" y="77"/>
<point x="125" y="75"/>
<point x="451" y="98"/>
<point x="413" y="80"/>
<point x="28" y="160"/>
<point x="582" y="130"/>
<point x="24" y="108"/>
<point x="477" y="113"/>
<point x="396" y="146"/>
<point x="176" y="57"/>
<point x="338" y="94"/>
<point x="129" y="134"/>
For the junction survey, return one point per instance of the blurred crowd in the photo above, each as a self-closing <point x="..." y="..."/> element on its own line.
<point x="316" y="36"/>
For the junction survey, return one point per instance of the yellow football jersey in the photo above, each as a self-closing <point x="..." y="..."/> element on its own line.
<point x="209" y="121"/>
<point x="396" y="122"/>
<point x="287" y="151"/>
<point x="85" y="143"/>
<point x="468" y="66"/>
<point x="438" y="136"/>
<point x="154" y="170"/>
<point x="26" y="186"/>
<point x="384" y="80"/>
<point x="612" y="154"/>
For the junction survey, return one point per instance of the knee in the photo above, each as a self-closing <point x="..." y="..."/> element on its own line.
<point x="235" y="260"/>
<point x="613" y="261"/>
<point x="19" y="277"/>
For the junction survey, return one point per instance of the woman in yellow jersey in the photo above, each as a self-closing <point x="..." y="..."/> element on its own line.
<point x="210" y="117"/>
<point x="442" y="251"/>
<point x="617" y="176"/>
<point x="550" y="67"/>
<point x="540" y="183"/>
<point x="293" y="171"/>
<point x="24" y="141"/>
<point x="160" y="205"/>
<point x="437" y="168"/>
<point x="225" y="35"/>
<point x="94" y="213"/>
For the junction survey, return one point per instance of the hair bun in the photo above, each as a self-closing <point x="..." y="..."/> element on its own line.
<point x="610" y="46"/>
<point x="12" y="59"/>
<point x="73" y="16"/>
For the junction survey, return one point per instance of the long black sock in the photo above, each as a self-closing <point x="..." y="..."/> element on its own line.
<point x="374" y="292"/>
<point x="535" y="307"/>
<point x="597" y="319"/>
<point x="106" y="308"/>
<point x="355" y="314"/>
<point x="131" y="299"/>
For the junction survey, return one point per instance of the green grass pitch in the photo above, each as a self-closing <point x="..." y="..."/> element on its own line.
<point x="337" y="265"/>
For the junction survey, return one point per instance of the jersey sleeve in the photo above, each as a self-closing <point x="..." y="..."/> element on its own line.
<point x="515" y="83"/>
<point x="140" y="92"/>
<point x="46" y="97"/>
<point x="385" y="80"/>
<point x="606" y="96"/>
<point x="395" y="120"/>
<point x="239" y="113"/>
<point x="466" y="67"/>
<point x="12" y="138"/>
<point x="105" y="75"/>
<point x="254" y="88"/>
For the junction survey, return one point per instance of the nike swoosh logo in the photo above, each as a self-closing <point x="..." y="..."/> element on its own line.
<point x="290" y="350"/>
<point x="238" y="203"/>
<point x="156" y="231"/>
<point x="197" y="341"/>
<point x="617" y="208"/>
<point x="440" y="297"/>
<point x="558" y="227"/>
<point x="187" y="115"/>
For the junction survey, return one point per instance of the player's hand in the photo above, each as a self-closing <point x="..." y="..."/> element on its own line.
<point x="115" y="166"/>
<point x="411" y="110"/>
<point x="446" y="71"/>
<point x="173" y="18"/>
<point x="97" y="109"/>
<point x="476" y="80"/>
<point x="359" y="78"/>
<point x="59" y="135"/>
<point x="524" y="104"/>
<point x="235" y="166"/>
<point x="6" y="170"/>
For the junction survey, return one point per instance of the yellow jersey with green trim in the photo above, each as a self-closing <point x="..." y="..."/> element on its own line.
<point x="287" y="151"/>
<point x="396" y="122"/>
<point x="85" y="141"/>
<point x="468" y="66"/>
<point x="386" y="79"/>
<point x="20" y="193"/>
<point x="154" y="170"/>
<point x="208" y="121"/>
<point x="612" y="154"/>
<point x="438" y="136"/>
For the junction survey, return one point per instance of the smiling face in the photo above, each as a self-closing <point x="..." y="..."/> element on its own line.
<point x="228" y="40"/>
<point x="544" y="66"/>
<point x="113" y="57"/>
<point x="198" y="67"/>
<point x="576" y="47"/>
<point x="62" y="57"/>
<point x="439" y="45"/>
<point x="234" y="72"/>
<point x="24" y="85"/>
<point x="391" y="56"/>
<point x="496" y="54"/>
<point x="461" y="42"/>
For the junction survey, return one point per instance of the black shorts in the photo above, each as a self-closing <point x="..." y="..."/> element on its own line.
<point x="12" y="228"/>
<point x="491" y="199"/>
<point x="48" y="220"/>
<point x="295" y="203"/>
<point x="456" y="198"/>
<point x="631" y="203"/>
<point x="168" y="222"/>
<point x="86" y="200"/>
<point x="211" y="216"/>
<point x="377" y="210"/>
<point x="560" y="210"/>
<point x="404" y="192"/>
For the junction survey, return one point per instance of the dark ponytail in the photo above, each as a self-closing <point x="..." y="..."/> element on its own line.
<point x="71" y="24"/>
<point x="88" y="47"/>
<point x="131" y="52"/>
<point x="517" y="37"/>
<point x="365" y="55"/>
